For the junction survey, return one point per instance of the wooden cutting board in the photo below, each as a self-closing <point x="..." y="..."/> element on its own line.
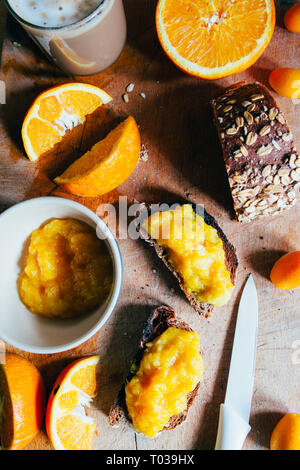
<point x="181" y="159"/>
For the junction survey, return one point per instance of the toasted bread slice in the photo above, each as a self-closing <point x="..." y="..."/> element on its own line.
<point x="231" y="261"/>
<point x="160" y="320"/>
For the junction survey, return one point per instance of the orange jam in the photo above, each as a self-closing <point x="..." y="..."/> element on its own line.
<point x="68" y="271"/>
<point x="195" y="250"/>
<point x="170" y="369"/>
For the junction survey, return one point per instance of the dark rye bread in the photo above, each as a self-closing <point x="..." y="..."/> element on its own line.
<point x="231" y="261"/>
<point x="262" y="163"/>
<point x="159" y="321"/>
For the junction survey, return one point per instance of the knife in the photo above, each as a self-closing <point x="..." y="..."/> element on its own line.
<point x="235" y="411"/>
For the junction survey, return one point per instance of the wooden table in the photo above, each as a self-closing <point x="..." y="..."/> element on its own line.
<point x="184" y="161"/>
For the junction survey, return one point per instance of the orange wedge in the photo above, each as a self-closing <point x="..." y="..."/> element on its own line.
<point x="108" y="164"/>
<point x="57" y="110"/>
<point x="217" y="38"/>
<point x="22" y="400"/>
<point x="68" y="426"/>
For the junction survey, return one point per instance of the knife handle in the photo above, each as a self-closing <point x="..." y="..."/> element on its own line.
<point x="232" y="429"/>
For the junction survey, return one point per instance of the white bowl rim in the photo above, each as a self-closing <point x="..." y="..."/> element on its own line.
<point x="118" y="278"/>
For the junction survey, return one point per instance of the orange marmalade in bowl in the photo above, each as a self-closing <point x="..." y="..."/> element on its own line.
<point x="170" y="369"/>
<point x="68" y="271"/>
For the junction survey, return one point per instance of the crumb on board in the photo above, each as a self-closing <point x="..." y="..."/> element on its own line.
<point x="143" y="95"/>
<point x="144" y="154"/>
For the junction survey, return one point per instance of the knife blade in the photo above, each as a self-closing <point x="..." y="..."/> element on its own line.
<point x="235" y="412"/>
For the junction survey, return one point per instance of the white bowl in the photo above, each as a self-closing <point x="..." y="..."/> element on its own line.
<point x="18" y="326"/>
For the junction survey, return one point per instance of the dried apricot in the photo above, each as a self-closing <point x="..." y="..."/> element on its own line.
<point x="286" y="82"/>
<point x="286" y="434"/>
<point x="292" y="18"/>
<point x="285" y="273"/>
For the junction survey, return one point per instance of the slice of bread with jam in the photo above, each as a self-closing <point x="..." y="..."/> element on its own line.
<point x="204" y="308"/>
<point x="161" y="319"/>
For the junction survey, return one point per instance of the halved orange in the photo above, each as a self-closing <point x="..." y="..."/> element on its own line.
<point x="108" y="164"/>
<point x="68" y="426"/>
<point x="57" y="110"/>
<point x="217" y="38"/>
<point x="22" y="400"/>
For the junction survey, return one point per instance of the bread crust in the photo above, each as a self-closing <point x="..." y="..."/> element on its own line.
<point x="159" y="321"/>
<point x="231" y="261"/>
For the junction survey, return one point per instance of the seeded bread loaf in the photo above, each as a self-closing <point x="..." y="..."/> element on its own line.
<point x="159" y="321"/>
<point x="231" y="261"/>
<point x="262" y="163"/>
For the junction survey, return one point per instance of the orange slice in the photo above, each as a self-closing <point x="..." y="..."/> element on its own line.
<point x="108" y="164"/>
<point x="68" y="426"/>
<point x="217" y="38"/>
<point x="57" y="110"/>
<point x="22" y="400"/>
